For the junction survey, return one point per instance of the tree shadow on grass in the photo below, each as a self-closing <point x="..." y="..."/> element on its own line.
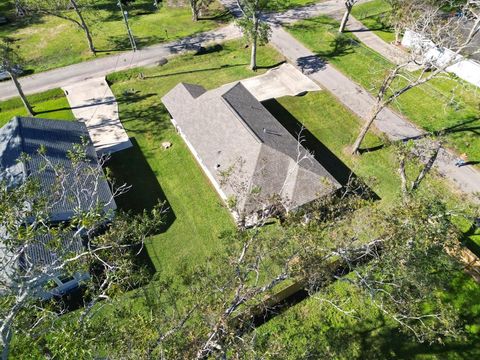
<point x="341" y="172"/>
<point x="143" y="118"/>
<point x="222" y="67"/>
<point x="130" y="167"/>
<point x="467" y="125"/>
<point x="219" y="16"/>
<point x="377" y="28"/>
<point x="268" y="67"/>
<point x="463" y="126"/>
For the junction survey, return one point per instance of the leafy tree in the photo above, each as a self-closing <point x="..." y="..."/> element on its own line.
<point x="384" y="257"/>
<point x="10" y="62"/>
<point x="255" y="29"/>
<point x="60" y="9"/>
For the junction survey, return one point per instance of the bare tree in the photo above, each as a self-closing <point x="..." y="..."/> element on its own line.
<point x="348" y="9"/>
<point x="434" y="32"/>
<point x="196" y="6"/>
<point x="425" y="152"/>
<point x="60" y="9"/>
<point x="124" y="12"/>
<point x="401" y="14"/>
<point x="35" y="251"/>
<point x="10" y="62"/>
<point x="255" y="29"/>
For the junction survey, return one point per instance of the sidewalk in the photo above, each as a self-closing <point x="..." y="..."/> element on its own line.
<point x="391" y="52"/>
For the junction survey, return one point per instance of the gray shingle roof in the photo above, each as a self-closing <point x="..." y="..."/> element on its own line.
<point x="229" y="129"/>
<point x="26" y="135"/>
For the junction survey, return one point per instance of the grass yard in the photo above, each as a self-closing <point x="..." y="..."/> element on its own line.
<point x="282" y="5"/>
<point x="371" y="336"/>
<point x="327" y="333"/>
<point x="51" y="104"/>
<point x="197" y="216"/>
<point x="48" y="42"/>
<point x="374" y="15"/>
<point x="440" y="105"/>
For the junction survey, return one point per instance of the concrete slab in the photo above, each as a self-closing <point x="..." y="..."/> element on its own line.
<point x="285" y="80"/>
<point x="93" y="102"/>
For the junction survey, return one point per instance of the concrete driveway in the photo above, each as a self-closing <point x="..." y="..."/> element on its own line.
<point x="93" y="102"/>
<point x="285" y="80"/>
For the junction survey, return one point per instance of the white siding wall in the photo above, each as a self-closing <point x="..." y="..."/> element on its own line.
<point x="468" y="70"/>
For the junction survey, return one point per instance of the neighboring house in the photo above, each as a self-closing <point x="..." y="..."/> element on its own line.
<point x="244" y="150"/>
<point x="466" y="65"/>
<point x="21" y="138"/>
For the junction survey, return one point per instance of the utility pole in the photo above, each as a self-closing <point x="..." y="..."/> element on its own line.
<point x="129" y="31"/>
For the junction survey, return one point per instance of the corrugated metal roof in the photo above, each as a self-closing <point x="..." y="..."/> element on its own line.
<point x="27" y="135"/>
<point x="47" y="250"/>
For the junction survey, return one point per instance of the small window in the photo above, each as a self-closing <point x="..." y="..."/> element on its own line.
<point x="66" y="279"/>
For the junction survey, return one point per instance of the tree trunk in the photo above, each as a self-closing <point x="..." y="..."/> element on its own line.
<point x="129" y="32"/>
<point x="397" y="37"/>
<point x="426" y="169"/>
<point x="403" y="175"/>
<point x="13" y="76"/>
<point x="194" y="6"/>
<point x="366" y="127"/>
<point x="253" y="56"/>
<point x="84" y="26"/>
<point x="346" y="15"/>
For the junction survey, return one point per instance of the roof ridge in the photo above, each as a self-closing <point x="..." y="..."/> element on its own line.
<point x="237" y="115"/>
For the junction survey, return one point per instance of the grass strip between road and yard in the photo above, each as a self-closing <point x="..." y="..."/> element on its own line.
<point x="46" y="42"/>
<point x="375" y="16"/>
<point x="443" y="105"/>
<point x="51" y="104"/>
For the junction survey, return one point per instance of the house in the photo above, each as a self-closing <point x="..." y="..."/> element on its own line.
<point x="244" y="150"/>
<point x="20" y="142"/>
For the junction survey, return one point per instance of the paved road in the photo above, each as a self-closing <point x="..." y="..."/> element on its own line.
<point x="73" y="74"/>
<point x="105" y="65"/>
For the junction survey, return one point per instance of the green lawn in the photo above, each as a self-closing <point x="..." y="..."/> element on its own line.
<point x="48" y="42"/>
<point x="440" y="105"/>
<point x="51" y="104"/>
<point x="282" y="5"/>
<point x="200" y="217"/>
<point x="197" y="214"/>
<point x="374" y="15"/>
<point x="314" y="329"/>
